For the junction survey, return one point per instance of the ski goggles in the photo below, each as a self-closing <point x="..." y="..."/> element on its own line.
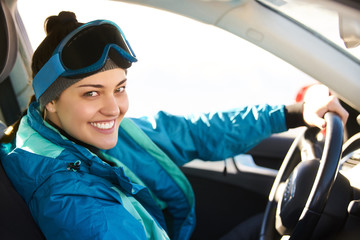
<point x="83" y="52"/>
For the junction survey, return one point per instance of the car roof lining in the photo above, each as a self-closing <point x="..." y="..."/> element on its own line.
<point x="8" y="41"/>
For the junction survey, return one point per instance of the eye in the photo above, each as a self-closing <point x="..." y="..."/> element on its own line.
<point x="120" y="89"/>
<point x="91" y="94"/>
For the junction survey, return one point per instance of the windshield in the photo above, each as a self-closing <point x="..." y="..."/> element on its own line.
<point x="324" y="20"/>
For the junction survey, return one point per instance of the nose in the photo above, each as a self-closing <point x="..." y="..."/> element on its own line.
<point x="110" y="106"/>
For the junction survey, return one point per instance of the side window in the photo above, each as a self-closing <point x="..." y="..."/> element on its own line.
<point x="184" y="66"/>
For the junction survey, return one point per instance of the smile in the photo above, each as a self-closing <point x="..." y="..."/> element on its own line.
<point x="103" y="125"/>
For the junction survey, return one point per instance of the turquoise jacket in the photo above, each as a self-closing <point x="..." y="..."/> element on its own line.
<point x="135" y="190"/>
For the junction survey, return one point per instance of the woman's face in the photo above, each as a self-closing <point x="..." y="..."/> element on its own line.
<point x="91" y="110"/>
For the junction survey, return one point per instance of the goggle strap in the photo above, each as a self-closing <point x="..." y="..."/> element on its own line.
<point x="47" y="75"/>
<point x="132" y="52"/>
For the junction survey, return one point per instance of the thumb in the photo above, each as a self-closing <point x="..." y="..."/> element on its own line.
<point x="313" y="115"/>
<point x="318" y="122"/>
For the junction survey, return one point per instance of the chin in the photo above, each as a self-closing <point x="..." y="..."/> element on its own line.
<point x="105" y="142"/>
<point x="106" y="145"/>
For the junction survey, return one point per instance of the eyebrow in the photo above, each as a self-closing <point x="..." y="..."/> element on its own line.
<point x="99" y="85"/>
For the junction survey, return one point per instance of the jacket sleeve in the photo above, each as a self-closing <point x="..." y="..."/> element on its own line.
<point x="80" y="209"/>
<point x="213" y="136"/>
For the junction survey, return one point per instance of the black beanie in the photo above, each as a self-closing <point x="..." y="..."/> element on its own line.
<point x="62" y="83"/>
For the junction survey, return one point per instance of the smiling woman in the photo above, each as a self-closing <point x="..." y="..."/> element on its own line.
<point x="87" y="172"/>
<point x="91" y="110"/>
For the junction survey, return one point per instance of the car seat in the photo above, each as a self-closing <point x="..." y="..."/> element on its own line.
<point x="16" y="222"/>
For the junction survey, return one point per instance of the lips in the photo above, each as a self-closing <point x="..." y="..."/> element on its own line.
<point x="103" y="125"/>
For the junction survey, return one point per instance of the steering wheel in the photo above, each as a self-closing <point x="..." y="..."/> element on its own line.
<point x="303" y="184"/>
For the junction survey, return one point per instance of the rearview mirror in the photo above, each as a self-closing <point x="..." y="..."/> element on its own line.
<point x="349" y="31"/>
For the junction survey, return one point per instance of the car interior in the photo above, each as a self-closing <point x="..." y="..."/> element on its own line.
<point x="16" y="220"/>
<point x="245" y="185"/>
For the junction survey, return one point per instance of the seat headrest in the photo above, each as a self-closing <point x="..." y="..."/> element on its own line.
<point x="8" y="41"/>
<point x="2" y="129"/>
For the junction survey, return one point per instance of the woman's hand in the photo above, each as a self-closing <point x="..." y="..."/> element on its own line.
<point x="319" y="101"/>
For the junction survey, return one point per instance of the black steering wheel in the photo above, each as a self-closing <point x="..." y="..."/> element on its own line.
<point x="303" y="184"/>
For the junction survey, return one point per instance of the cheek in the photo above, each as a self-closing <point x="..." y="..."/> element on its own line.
<point x="123" y="104"/>
<point x="77" y="113"/>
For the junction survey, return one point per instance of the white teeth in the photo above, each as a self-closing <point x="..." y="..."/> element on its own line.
<point x="103" y="125"/>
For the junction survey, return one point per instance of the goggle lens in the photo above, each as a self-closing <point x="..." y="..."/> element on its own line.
<point x="87" y="47"/>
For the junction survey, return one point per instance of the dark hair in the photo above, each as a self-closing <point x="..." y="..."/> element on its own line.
<point x="56" y="28"/>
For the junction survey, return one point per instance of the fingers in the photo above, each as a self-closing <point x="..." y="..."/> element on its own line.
<point x="318" y="122"/>
<point x="335" y="106"/>
<point x="313" y="115"/>
<point x="314" y="111"/>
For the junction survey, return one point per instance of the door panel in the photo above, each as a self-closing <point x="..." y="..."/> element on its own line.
<point x="270" y="152"/>
<point x="230" y="191"/>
